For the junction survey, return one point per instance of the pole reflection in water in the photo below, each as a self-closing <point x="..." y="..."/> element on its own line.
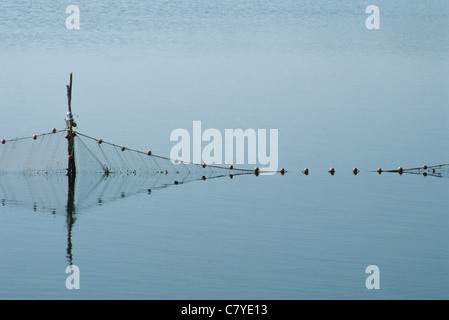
<point x="71" y="195"/>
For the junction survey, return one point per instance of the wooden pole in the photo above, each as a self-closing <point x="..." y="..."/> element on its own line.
<point x="71" y="170"/>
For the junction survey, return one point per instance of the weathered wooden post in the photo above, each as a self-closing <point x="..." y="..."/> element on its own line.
<point x="71" y="170"/>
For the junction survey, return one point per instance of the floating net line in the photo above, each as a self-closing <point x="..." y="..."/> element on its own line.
<point x="47" y="154"/>
<point x="437" y="171"/>
<point x="38" y="154"/>
<point x="33" y="171"/>
<point x="34" y="174"/>
<point x="97" y="155"/>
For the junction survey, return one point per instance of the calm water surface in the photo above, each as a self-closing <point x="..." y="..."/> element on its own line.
<point x="339" y="94"/>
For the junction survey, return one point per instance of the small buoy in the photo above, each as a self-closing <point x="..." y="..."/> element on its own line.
<point x="400" y="170"/>
<point x="204" y="165"/>
<point x="53" y="130"/>
<point x="231" y="176"/>
<point x="149" y="152"/>
<point x="100" y="141"/>
<point x="306" y="171"/>
<point x="34" y="137"/>
<point x="231" y="167"/>
<point x="3" y="141"/>
<point x="176" y="182"/>
<point x="123" y="148"/>
<point x="424" y="167"/>
<point x="256" y="169"/>
<point x="332" y="171"/>
<point x="355" y="171"/>
<point x="282" y="171"/>
<point x="203" y="178"/>
<point x="379" y="170"/>
<point x="424" y="174"/>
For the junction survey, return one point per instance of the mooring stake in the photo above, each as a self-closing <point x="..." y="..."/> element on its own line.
<point x="71" y="170"/>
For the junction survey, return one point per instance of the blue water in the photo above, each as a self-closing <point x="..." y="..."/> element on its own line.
<point x="339" y="94"/>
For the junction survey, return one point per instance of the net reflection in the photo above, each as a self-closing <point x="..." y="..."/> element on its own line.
<point x="59" y="194"/>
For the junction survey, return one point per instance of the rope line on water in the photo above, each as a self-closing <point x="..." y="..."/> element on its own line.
<point x="172" y="161"/>
<point x="125" y="163"/>
<point x="34" y="137"/>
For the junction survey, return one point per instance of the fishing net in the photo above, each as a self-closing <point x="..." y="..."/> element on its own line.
<point x="96" y="155"/>
<point x="34" y="169"/>
<point x="34" y="174"/>
<point x="37" y="154"/>
<point x="438" y="171"/>
<point x="47" y="154"/>
<point x="49" y="193"/>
